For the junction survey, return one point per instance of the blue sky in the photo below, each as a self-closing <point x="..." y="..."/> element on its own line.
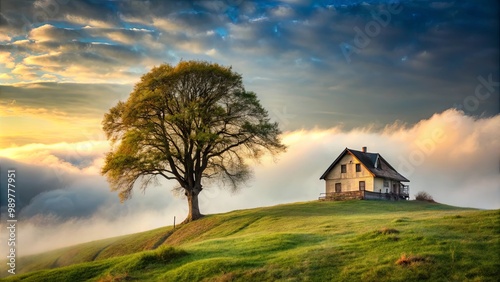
<point x="390" y="75"/>
<point x="353" y="63"/>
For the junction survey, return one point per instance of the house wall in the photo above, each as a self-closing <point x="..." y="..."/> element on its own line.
<point x="379" y="186"/>
<point x="350" y="179"/>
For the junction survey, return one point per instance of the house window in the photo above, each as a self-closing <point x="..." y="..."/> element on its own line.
<point x="338" y="187"/>
<point x="358" y="167"/>
<point x="386" y="183"/>
<point x="361" y="186"/>
<point x="343" y="168"/>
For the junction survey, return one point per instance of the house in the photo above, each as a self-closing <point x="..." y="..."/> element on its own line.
<point x="363" y="175"/>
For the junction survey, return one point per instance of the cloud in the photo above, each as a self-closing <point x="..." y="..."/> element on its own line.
<point x="3" y="36"/>
<point x="79" y="20"/>
<point x="49" y="32"/>
<point x="25" y="72"/>
<point x="419" y="62"/>
<point x="42" y="234"/>
<point x="129" y="36"/>
<point x="98" y="62"/>
<point x="211" y="52"/>
<point x="5" y="76"/>
<point x="72" y="99"/>
<point x="427" y="58"/>
<point x="7" y="60"/>
<point x="62" y="199"/>
<point x="282" y="11"/>
<point x="75" y="109"/>
<point x="75" y="157"/>
<point x="49" y="77"/>
<point x="451" y="156"/>
<point x="82" y="54"/>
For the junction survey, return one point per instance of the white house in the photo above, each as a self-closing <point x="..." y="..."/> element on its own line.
<point x="363" y="175"/>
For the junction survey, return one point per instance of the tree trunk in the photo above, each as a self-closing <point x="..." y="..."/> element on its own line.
<point x="194" y="209"/>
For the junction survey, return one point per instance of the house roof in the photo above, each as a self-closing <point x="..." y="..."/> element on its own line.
<point x="374" y="162"/>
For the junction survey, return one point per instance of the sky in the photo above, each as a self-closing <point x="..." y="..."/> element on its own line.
<point x="416" y="81"/>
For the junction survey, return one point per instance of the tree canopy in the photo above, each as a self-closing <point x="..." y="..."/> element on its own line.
<point x="191" y="123"/>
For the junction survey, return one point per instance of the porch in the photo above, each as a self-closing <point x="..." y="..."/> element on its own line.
<point x="366" y="195"/>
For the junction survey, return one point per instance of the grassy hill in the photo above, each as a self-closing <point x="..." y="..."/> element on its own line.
<point x="313" y="241"/>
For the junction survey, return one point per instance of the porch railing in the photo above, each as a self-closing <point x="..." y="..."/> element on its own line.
<point x="360" y="195"/>
<point x="405" y="190"/>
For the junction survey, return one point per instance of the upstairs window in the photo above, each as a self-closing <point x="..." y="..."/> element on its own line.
<point x="358" y="167"/>
<point x="343" y="169"/>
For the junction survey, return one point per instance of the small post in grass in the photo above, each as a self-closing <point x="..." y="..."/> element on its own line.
<point x="174" y="221"/>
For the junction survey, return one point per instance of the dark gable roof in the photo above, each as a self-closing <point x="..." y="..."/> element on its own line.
<point x="383" y="169"/>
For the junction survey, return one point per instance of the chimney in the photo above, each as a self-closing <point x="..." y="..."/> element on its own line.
<point x="363" y="149"/>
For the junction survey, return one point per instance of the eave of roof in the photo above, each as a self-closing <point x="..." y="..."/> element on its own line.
<point x="333" y="164"/>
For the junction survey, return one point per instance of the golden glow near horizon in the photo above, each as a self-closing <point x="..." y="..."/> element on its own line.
<point x="19" y="131"/>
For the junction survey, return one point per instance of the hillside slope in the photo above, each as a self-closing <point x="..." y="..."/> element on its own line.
<point x="318" y="241"/>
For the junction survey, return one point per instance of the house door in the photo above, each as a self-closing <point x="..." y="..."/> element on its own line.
<point x="394" y="188"/>
<point x="361" y="186"/>
<point x="338" y="187"/>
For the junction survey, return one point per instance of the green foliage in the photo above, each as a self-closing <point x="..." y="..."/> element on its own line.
<point x="318" y="241"/>
<point x="190" y="122"/>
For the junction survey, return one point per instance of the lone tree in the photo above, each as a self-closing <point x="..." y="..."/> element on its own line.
<point x="190" y="123"/>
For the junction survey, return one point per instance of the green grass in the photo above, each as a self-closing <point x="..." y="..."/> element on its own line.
<point x="312" y="241"/>
<point x="97" y="250"/>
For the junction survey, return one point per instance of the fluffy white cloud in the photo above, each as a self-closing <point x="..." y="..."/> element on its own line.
<point x="82" y="157"/>
<point x="65" y="201"/>
<point x="451" y="156"/>
<point x="58" y="235"/>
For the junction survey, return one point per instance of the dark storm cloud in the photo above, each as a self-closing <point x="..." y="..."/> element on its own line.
<point x="33" y="180"/>
<point x="65" y="203"/>
<point x="62" y="193"/>
<point x="58" y="205"/>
